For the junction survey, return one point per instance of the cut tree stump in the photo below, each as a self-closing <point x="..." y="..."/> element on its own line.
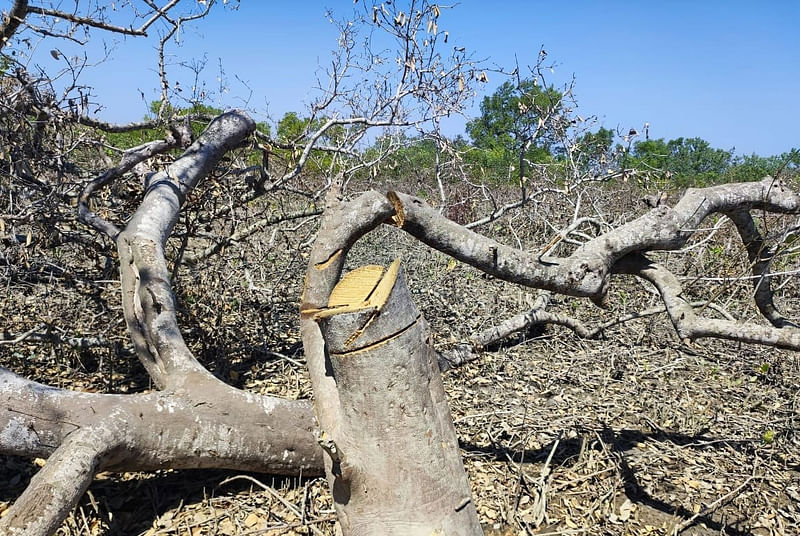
<point x="396" y="460"/>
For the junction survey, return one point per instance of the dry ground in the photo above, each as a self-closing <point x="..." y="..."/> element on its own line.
<point x="637" y="433"/>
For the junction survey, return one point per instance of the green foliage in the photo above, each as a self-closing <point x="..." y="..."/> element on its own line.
<point x="194" y="109"/>
<point x="685" y="161"/>
<point x="126" y="140"/>
<point x="291" y="127"/>
<point x="514" y="123"/>
<point x="595" y="150"/>
<point x="693" y="162"/>
<point x="754" y="167"/>
<point x="296" y="131"/>
<point x="415" y="160"/>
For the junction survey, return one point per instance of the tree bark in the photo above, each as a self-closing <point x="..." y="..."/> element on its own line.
<point x="397" y="466"/>
<point x="216" y="426"/>
<point x="195" y="421"/>
<point x="12" y="21"/>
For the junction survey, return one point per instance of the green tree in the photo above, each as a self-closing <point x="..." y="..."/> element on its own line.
<point x="291" y="127"/>
<point x="754" y="167"/>
<point x="685" y="161"/>
<point x="416" y="159"/>
<point x="515" y="126"/>
<point x="595" y="150"/>
<point x="294" y="133"/>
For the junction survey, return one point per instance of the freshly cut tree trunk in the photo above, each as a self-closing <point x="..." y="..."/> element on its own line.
<point x="396" y="463"/>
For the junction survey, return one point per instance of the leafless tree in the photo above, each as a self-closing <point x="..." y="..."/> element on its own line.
<point x="380" y="428"/>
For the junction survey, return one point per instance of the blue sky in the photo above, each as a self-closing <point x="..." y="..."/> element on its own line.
<point x="725" y="71"/>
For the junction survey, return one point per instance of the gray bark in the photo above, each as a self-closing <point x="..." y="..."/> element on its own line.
<point x="397" y="465"/>
<point x="760" y="258"/>
<point x="387" y="442"/>
<point x="12" y="21"/>
<point x="195" y="421"/>
<point x="586" y="272"/>
<point x="342" y="224"/>
<point x="164" y="430"/>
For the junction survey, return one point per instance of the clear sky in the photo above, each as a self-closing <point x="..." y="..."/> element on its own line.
<point x="726" y="71"/>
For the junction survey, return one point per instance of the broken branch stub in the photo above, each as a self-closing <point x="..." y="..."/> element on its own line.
<point x="397" y="465"/>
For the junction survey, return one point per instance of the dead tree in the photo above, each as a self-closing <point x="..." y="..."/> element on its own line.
<point x="587" y="272"/>
<point x="383" y="434"/>
<point x="188" y="423"/>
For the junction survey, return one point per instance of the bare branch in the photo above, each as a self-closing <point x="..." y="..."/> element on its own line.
<point x="149" y="303"/>
<point x="467" y="352"/>
<point x="691" y="326"/>
<point x="760" y="258"/>
<point x="247" y="231"/>
<point x="12" y="21"/>
<point x="35" y="335"/>
<point x="85" y="21"/>
<point x="585" y="272"/>
<point x="131" y="158"/>
<point x="114" y="127"/>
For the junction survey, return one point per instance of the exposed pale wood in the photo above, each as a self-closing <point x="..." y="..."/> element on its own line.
<point x="365" y="288"/>
<point x="355" y="287"/>
<point x="384" y="287"/>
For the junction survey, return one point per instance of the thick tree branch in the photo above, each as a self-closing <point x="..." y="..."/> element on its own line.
<point x="586" y="271"/>
<point x="12" y="21"/>
<point x="82" y="433"/>
<point x="149" y="303"/>
<point x="131" y="158"/>
<point x="226" y="427"/>
<point x="55" y="490"/>
<point x="691" y="326"/>
<point x="760" y="259"/>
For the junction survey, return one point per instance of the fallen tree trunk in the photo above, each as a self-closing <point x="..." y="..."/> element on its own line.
<point x="195" y="421"/>
<point x="82" y="434"/>
<point x="387" y="441"/>
<point x="219" y="426"/>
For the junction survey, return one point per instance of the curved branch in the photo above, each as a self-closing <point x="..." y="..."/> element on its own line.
<point x="464" y="353"/>
<point x="55" y="490"/>
<point x="760" y="258"/>
<point x="586" y="271"/>
<point x="149" y="304"/>
<point x="82" y="433"/>
<point x="131" y="158"/>
<point x="691" y="326"/>
<point x="12" y="21"/>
